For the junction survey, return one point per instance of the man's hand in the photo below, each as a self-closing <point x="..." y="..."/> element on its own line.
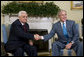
<point x="68" y="46"/>
<point x="37" y="37"/>
<point x="31" y="42"/>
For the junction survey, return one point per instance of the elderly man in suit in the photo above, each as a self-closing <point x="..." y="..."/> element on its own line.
<point x="19" y="37"/>
<point x="68" y="36"/>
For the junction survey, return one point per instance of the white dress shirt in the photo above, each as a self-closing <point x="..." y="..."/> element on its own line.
<point x="62" y="24"/>
<point x="22" y="23"/>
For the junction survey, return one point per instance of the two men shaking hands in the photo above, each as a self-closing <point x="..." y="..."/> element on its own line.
<point x="37" y="37"/>
<point x="65" y="29"/>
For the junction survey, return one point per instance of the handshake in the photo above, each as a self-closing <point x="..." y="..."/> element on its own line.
<point x="37" y="37"/>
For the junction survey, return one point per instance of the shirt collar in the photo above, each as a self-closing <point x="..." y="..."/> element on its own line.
<point x="21" y="23"/>
<point x="63" y="22"/>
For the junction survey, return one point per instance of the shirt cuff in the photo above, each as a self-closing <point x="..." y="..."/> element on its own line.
<point x="72" y="42"/>
<point x="42" y="37"/>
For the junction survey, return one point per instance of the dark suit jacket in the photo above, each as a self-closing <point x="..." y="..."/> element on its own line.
<point x="71" y="29"/>
<point x="17" y="36"/>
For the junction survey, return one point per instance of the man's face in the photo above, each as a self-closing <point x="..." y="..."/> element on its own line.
<point x="63" y="16"/>
<point x="23" y="18"/>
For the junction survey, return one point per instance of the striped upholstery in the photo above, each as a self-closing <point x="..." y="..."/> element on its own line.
<point x="4" y="31"/>
<point x="5" y="35"/>
<point x="64" y="52"/>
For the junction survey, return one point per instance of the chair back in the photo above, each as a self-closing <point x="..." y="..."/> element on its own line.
<point x="4" y="32"/>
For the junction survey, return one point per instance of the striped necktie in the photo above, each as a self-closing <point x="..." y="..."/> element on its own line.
<point x="25" y="29"/>
<point x="65" y="32"/>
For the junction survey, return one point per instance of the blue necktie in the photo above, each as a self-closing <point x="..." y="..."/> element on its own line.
<point x="65" y="32"/>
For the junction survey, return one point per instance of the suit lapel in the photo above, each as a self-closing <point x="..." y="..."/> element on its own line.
<point x="60" y="29"/>
<point x="67" y="26"/>
<point x="27" y="26"/>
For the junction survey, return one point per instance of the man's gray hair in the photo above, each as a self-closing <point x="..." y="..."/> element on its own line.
<point x="22" y="12"/>
<point x="61" y="11"/>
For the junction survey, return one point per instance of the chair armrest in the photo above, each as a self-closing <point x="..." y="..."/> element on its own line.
<point x="81" y="38"/>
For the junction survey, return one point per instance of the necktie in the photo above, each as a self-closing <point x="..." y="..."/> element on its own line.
<point x="65" y="32"/>
<point x="25" y="29"/>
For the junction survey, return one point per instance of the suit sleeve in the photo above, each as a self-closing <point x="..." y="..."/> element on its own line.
<point x="50" y="35"/>
<point x="20" y="33"/>
<point x="75" y="33"/>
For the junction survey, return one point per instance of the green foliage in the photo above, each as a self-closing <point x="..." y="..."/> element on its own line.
<point x="33" y="9"/>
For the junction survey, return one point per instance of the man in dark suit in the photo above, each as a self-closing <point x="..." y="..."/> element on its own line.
<point x="19" y="37"/>
<point x="68" y="36"/>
